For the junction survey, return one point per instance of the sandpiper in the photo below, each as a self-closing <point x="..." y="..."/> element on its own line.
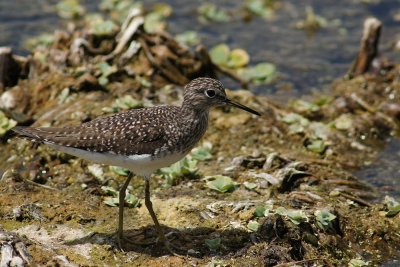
<point x="141" y="140"/>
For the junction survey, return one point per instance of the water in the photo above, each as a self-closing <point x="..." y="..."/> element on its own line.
<point x="307" y="63"/>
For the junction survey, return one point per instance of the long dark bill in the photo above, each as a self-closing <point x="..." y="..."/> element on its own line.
<point x="237" y="105"/>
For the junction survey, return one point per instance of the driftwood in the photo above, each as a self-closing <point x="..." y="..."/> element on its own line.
<point x="368" y="47"/>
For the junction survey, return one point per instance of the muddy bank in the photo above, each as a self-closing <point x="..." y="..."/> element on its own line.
<point x="286" y="195"/>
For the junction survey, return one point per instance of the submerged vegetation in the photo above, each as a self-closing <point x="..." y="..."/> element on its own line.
<point x="257" y="191"/>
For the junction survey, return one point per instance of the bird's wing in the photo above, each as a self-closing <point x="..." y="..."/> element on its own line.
<point x="128" y="133"/>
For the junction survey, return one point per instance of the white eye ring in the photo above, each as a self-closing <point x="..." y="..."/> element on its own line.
<point x="210" y="93"/>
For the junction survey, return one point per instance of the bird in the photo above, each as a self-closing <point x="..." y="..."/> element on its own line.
<point x="140" y="140"/>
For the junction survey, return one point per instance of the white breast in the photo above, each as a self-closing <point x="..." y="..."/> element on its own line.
<point x="143" y="165"/>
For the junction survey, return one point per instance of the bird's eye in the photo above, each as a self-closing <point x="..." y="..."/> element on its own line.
<point x="210" y="93"/>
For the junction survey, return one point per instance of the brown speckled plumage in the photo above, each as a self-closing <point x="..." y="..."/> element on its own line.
<point x="157" y="131"/>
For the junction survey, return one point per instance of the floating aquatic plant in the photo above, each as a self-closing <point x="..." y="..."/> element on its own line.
<point x="209" y="12"/>
<point x="188" y="38"/>
<point x="155" y="20"/>
<point x="263" y="8"/>
<point x="262" y="73"/>
<point x="70" y="9"/>
<point x="223" y="56"/>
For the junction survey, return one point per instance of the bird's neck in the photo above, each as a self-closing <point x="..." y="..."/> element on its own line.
<point x="190" y="112"/>
<point x="195" y="122"/>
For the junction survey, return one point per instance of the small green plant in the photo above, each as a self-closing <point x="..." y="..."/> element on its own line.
<point x="209" y="12"/>
<point x="113" y="199"/>
<point x="6" y="123"/>
<point x="295" y="216"/>
<point x="263" y="211"/>
<point x="223" y="56"/>
<point x="69" y="9"/>
<point x="185" y="167"/>
<point x="357" y="263"/>
<point x="253" y="226"/>
<point x="221" y="183"/>
<point x="250" y="186"/>
<point x="392" y="205"/>
<point x="106" y="70"/>
<point x="202" y="152"/>
<point x="262" y="73"/>
<point x="324" y="219"/>
<point x="188" y="38"/>
<point x="119" y="170"/>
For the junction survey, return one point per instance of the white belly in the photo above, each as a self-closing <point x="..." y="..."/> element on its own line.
<point x="143" y="165"/>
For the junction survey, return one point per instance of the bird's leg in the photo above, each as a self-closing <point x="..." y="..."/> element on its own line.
<point x="149" y="207"/>
<point x="122" y="193"/>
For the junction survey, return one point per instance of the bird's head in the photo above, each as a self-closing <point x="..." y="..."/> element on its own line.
<point x="204" y="93"/>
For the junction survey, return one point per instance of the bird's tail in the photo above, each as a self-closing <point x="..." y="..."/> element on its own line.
<point x="29" y="132"/>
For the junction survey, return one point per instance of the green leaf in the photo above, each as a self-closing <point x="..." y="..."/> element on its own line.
<point x="188" y="38"/>
<point x="210" y="12"/>
<point x="250" y="186"/>
<point x="127" y="102"/>
<point x="291" y="118"/>
<point x="163" y="9"/>
<point x="6" y="123"/>
<point x="131" y="200"/>
<point x="317" y="146"/>
<point x="100" y="27"/>
<point x="219" y="54"/>
<point x="324" y="219"/>
<point x="343" y="122"/>
<point x="393" y="211"/>
<point x="97" y="171"/>
<point x="112" y="201"/>
<point x="119" y="170"/>
<point x="184" y="167"/>
<point x="295" y="216"/>
<point x="319" y="130"/>
<point x="69" y="9"/>
<point x="357" y="263"/>
<point x="237" y="58"/>
<point x="260" y="7"/>
<point x="253" y="226"/>
<point x="261" y="73"/>
<point x="154" y="22"/>
<point x="304" y="106"/>
<point x="109" y="190"/>
<point x="106" y="70"/>
<point x="202" y="153"/>
<point x="260" y="211"/>
<point x="221" y="183"/>
<point x="213" y="244"/>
